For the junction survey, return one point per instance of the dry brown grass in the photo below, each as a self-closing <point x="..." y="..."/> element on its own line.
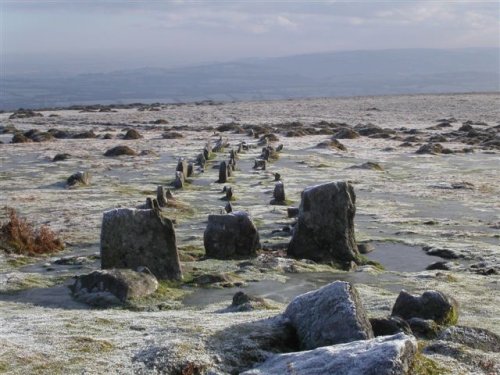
<point x="19" y="236"/>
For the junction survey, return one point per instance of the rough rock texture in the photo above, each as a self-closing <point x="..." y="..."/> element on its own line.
<point x="103" y="287"/>
<point x="389" y="326"/>
<point x="230" y="236"/>
<point x="132" y="134"/>
<point x="131" y="238"/>
<point x="278" y="194"/>
<point x="82" y="178"/>
<point x="120" y="150"/>
<point x="388" y="355"/>
<point x="330" y="315"/>
<point x="325" y="227"/>
<point x="431" y="305"/>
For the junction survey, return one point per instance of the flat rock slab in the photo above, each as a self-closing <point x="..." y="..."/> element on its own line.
<point x="131" y="238"/>
<point x="107" y="287"/>
<point x="330" y="315"/>
<point x="387" y="355"/>
<point x="325" y="226"/>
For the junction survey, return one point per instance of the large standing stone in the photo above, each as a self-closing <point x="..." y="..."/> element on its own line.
<point x="278" y="194"/>
<point x="430" y="305"/>
<point x="182" y="166"/>
<point x="131" y="238"/>
<point x="330" y="315"/>
<point x="325" y="226"/>
<point x="230" y="236"/>
<point x="387" y="355"/>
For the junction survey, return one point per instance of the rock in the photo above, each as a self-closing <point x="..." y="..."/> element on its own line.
<point x="444" y="266"/>
<point x="244" y="302"/>
<point x="82" y="178"/>
<point x="229" y="193"/>
<point x="433" y="148"/>
<point x="368" y="129"/>
<point x="228" y="208"/>
<point x="84" y="135"/>
<point x="37" y="136"/>
<point x="278" y="194"/>
<point x="131" y="238"/>
<point x="277" y="177"/>
<point x="61" y="157"/>
<point x="200" y="160"/>
<point x="109" y="287"/>
<point x="388" y="355"/>
<point x="120" y="150"/>
<point x="182" y="167"/>
<point x="260" y="164"/>
<point x="24" y="113"/>
<point x="160" y="196"/>
<point x="172" y="135"/>
<point x="368" y="165"/>
<point x="443" y="253"/>
<point x="230" y="236"/>
<point x="292" y="212"/>
<point x="222" y="173"/>
<point x="389" y="326"/>
<point x="325" y="227"/>
<point x="330" y="315"/>
<point x="190" y="169"/>
<point x="475" y="338"/>
<point x="346" y="133"/>
<point x="332" y="144"/>
<point x="431" y="305"/>
<point x="20" y="138"/>
<point x="132" y="134"/>
<point x="365" y="248"/>
<point x="424" y="328"/>
<point x="179" y="180"/>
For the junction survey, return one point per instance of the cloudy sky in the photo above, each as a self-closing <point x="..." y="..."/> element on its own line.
<point x="90" y="35"/>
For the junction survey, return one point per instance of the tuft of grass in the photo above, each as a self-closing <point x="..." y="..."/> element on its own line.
<point x="426" y="366"/>
<point x="90" y="345"/>
<point x="19" y="236"/>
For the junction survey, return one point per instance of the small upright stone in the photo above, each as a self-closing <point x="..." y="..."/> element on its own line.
<point x="230" y="236"/>
<point x="190" y="169"/>
<point x="182" y="167"/>
<point x="325" y="226"/>
<point x="179" y="180"/>
<point x="278" y="194"/>
<point x="222" y="173"/>
<point x="131" y="238"/>
<point x="160" y="196"/>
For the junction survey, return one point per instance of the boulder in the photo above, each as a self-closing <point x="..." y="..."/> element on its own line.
<point x="330" y="315"/>
<point x="430" y="305"/>
<point x="325" y="226"/>
<point x="61" y="157"/>
<point x="132" y="134"/>
<point x="346" y="133"/>
<point x="120" y="150"/>
<point x="131" y="238"/>
<point x="81" y="178"/>
<point x="230" y="236"/>
<point x="172" y="135"/>
<point x="387" y="355"/>
<point x="108" y="287"/>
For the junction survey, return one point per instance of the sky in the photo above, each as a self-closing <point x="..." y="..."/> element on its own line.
<point x="77" y="36"/>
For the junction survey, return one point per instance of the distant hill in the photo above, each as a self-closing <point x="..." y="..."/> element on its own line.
<point x="349" y="73"/>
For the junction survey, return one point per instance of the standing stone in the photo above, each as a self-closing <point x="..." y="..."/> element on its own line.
<point x="182" y="167"/>
<point x="81" y="178"/>
<point x="201" y="160"/>
<point x="190" y="169"/>
<point x="278" y="193"/>
<point x="222" y="173"/>
<point x="325" y="226"/>
<point x="131" y="238"/>
<point x="277" y="177"/>
<point x="179" y="180"/>
<point x="330" y="315"/>
<point x="228" y="208"/>
<point x="160" y="196"/>
<point x="230" y="236"/>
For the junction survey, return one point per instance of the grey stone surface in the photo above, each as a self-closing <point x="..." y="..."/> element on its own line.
<point x="131" y="238"/>
<point x="230" y="236"/>
<point x="387" y="355"/>
<point x="223" y="175"/>
<point x="330" y="315"/>
<point x="107" y="287"/>
<point x="278" y="194"/>
<point x="325" y="226"/>
<point x="431" y="304"/>
<point x="79" y="178"/>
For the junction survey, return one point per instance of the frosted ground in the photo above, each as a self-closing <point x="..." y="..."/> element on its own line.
<point x="408" y="205"/>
